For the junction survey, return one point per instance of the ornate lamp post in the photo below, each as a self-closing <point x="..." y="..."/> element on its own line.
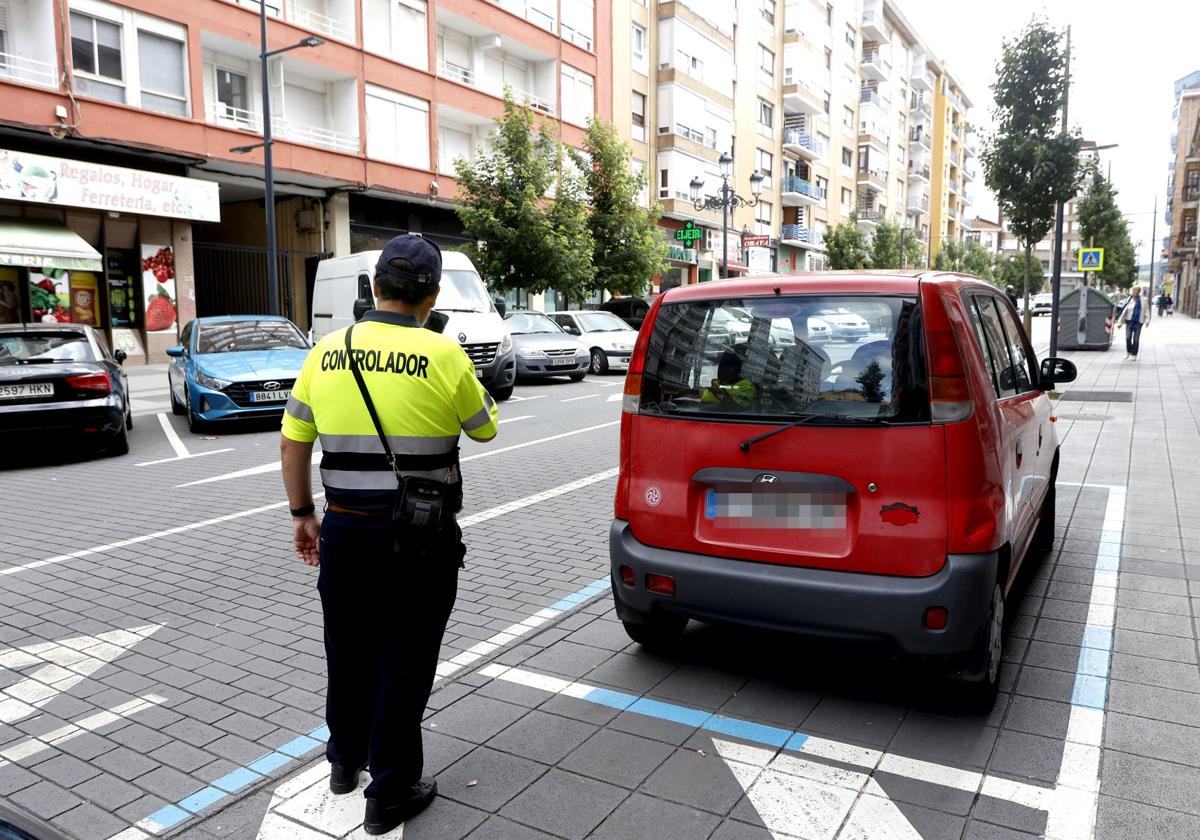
<point x="726" y="199"/>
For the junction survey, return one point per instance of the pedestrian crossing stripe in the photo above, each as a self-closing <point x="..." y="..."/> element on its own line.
<point x="1091" y="259"/>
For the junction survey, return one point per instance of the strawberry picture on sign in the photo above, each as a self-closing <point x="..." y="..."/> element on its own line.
<point x="158" y="284"/>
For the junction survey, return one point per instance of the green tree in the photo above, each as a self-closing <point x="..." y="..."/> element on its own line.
<point x="524" y="240"/>
<point x="977" y="261"/>
<point x="1029" y="163"/>
<point x="1010" y="271"/>
<point x="950" y="256"/>
<point x="914" y="252"/>
<point x="871" y="380"/>
<point x="845" y="246"/>
<point x="1101" y="225"/>
<point x="628" y="248"/>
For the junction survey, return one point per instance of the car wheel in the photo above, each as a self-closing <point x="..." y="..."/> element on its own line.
<point x="661" y="630"/>
<point x="128" y="418"/>
<point x="599" y="364"/>
<point x="195" y="424"/>
<point x="502" y="394"/>
<point x="119" y="443"/>
<point x="577" y="377"/>
<point x="979" y="682"/>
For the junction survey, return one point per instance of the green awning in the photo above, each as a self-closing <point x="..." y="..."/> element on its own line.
<point x="36" y="244"/>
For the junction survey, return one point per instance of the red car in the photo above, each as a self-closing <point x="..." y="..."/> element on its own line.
<point x="885" y="490"/>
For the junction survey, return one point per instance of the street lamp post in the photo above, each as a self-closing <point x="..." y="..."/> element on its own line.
<point x="726" y="200"/>
<point x="268" y="163"/>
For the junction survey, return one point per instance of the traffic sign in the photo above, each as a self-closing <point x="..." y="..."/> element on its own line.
<point x="1091" y="259"/>
<point x="689" y="234"/>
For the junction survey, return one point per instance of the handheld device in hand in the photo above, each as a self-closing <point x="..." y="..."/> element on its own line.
<point x="437" y="321"/>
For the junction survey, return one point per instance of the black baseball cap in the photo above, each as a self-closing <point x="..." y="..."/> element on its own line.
<point x="411" y="258"/>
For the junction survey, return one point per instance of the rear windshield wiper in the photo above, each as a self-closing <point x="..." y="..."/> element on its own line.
<point x="812" y="418"/>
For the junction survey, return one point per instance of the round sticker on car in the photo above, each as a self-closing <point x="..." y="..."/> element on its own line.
<point x="653" y="495"/>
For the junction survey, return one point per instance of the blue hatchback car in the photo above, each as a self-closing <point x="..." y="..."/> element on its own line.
<point x="235" y="367"/>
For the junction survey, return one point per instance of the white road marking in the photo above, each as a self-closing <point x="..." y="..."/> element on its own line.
<point x="516" y="398"/>
<point x="64" y="664"/>
<point x="273" y="466"/>
<point x="172" y="437"/>
<point x="615" y="397"/>
<point x="303" y="808"/>
<point x="29" y="747"/>
<point x="515" y="419"/>
<point x="576" y="399"/>
<point x="185" y="457"/>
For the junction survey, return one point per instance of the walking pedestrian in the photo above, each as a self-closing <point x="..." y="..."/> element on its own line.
<point x="1133" y="316"/>
<point x="1170" y="305"/>
<point x="387" y="400"/>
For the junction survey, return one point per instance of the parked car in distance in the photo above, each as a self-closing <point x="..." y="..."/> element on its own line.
<point x="631" y="310"/>
<point x="889" y="491"/>
<point x="609" y="339"/>
<point x="1041" y="304"/>
<point x="544" y="348"/>
<point x="234" y="367"/>
<point x="62" y="379"/>
<point x="844" y="324"/>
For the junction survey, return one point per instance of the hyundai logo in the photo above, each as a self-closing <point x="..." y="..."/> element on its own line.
<point x="766" y="478"/>
<point x="271" y="386"/>
<point x="462" y="337"/>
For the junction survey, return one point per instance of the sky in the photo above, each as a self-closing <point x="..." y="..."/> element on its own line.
<point x="1125" y="58"/>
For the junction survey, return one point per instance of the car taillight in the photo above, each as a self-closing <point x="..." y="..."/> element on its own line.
<point x="949" y="389"/>
<point x="97" y="382"/>
<point x="630" y="403"/>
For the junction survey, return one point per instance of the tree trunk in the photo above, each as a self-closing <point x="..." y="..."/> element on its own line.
<point x="1028" y="314"/>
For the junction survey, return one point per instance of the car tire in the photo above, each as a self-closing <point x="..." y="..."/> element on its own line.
<point x="599" y="365"/>
<point x="195" y="424"/>
<point x="577" y="377"/>
<point x="128" y="418"/>
<point x="1043" y="537"/>
<point x="502" y="394"/>
<point x="177" y="407"/>
<point x="979" y="681"/>
<point x="660" y="631"/>
<point x="119" y="443"/>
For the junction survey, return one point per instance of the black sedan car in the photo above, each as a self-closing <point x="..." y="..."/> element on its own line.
<point x="60" y="378"/>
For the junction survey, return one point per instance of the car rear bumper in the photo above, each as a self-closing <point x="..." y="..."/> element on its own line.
<point x="535" y="368"/>
<point x="104" y="416"/>
<point x="618" y="359"/>
<point x="819" y="602"/>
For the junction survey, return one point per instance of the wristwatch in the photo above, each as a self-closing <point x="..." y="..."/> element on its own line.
<point x="301" y="512"/>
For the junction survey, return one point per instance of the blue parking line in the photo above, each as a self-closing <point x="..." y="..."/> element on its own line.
<point x="301" y="746"/>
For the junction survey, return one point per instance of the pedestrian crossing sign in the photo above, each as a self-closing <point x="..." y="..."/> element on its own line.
<point x="1091" y="259"/>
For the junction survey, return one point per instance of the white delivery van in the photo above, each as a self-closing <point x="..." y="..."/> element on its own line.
<point x="474" y="319"/>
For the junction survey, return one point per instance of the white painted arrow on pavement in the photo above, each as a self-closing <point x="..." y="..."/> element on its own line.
<point x="64" y="664"/>
<point x="796" y="797"/>
<point x="303" y="808"/>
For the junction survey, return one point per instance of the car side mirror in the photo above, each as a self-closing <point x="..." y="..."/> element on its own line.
<point x="501" y="306"/>
<point x="120" y="356"/>
<point x="1057" y="370"/>
<point x="572" y="329"/>
<point x="175" y="352"/>
<point x="361" y="307"/>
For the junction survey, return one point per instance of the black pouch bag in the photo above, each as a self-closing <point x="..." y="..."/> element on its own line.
<point x="421" y="503"/>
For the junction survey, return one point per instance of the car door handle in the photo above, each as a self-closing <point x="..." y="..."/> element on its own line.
<point x="1019" y="453"/>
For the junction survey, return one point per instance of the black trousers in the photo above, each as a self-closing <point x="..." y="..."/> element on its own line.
<point x="386" y="603"/>
<point x="1133" y="335"/>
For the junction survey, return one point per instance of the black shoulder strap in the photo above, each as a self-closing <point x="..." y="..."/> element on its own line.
<point x="366" y="395"/>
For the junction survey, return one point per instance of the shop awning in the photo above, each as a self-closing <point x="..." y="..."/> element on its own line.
<point x="36" y="244"/>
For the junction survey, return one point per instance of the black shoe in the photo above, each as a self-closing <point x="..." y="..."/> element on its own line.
<point x="343" y="779"/>
<point x="382" y="817"/>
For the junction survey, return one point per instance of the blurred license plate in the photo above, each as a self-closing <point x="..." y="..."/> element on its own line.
<point x="270" y="396"/>
<point x="766" y="509"/>
<point x="563" y="361"/>
<point x="479" y="373"/>
<point x="35" y="389"/>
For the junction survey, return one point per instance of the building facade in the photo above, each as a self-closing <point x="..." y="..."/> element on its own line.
<point x="1180" y="247"/>
<point x="368" y="118"/>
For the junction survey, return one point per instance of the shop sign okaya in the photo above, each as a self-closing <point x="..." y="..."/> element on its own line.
<point x="72" y="183"/>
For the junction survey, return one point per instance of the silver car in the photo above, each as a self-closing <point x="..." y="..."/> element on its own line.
<point x="544" y="349"/>
<point x="609" y="339"/>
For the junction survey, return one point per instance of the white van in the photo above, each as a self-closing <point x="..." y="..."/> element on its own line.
<point x="474" y="319"/>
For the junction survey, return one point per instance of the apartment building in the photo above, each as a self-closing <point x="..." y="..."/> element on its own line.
<point x="1180" y="246"/>
<point x="133" y="129"/>
<point x="953" y="167"/>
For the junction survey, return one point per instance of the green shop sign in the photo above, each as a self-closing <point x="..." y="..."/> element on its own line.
<point x="689" y="234"/>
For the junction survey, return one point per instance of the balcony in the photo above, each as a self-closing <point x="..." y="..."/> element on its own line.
<point x="920" y="110"/>
<point x="919" y="138"/>
<point x="873" y="178"/>
<point x="918" y="171"/>
<point x="800" y="98"/>
<point x="873" y="134"/>
<point x="282" y="128"/>
<point x="972" y="146"/>
<point x="30" y="71"/>
<point x="668" y="136"/>
<point x="798" y="236"/>
<point x="802" y="144"/>
<point x="26" y="41"/>
<point x="1191" y="195"/>
<point x="869" y="216"/>
<point x="952" y="185"/>
<point x="921" y="77"/>
<point x="871" y="98"/>
<point x="873" y="27"/>
<point x="797" y="192"/>
<point x="873" y="66"/>
<point x="918" y="203"/>
<point x="334" y="18"/>
<point x="958" y="104"/>
<point x="456" y="73"/>
<point x="969" y="171"/>
<point x="471" y="57"/>
<point x="951" y="211"/>
<point x="538" y="13"/>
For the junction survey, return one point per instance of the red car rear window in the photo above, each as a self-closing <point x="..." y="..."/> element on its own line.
<point x="835" y="358"/>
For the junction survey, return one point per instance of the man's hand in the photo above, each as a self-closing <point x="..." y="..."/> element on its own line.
<point x="306" y="536"/>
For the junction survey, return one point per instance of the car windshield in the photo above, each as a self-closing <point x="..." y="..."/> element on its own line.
<point x="17" y="348"/>
<point x="863" y="359"/>
<point x="239" y="336"/>
<point x="462" y="291"/>
<point x="601" y="322"/>
<point x="526" y="323"/>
